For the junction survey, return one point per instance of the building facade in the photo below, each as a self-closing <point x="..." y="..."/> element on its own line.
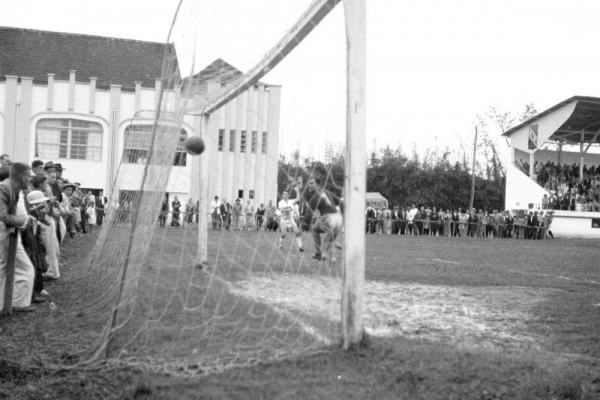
<point x="89" y="103"/>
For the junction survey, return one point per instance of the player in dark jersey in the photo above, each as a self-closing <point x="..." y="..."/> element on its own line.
<point x="325" y="208"/>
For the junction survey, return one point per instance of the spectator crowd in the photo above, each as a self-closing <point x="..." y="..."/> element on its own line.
<point x="39" y="207"/>
<point x="239" y="216"/>
<point x="567" y="189"/>
<point x="425" y="221"/>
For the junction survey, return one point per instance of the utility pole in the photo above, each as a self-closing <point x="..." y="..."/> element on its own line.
<point x="473" y="172"/>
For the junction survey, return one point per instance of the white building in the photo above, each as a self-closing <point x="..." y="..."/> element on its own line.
<point x="88" y="103"/>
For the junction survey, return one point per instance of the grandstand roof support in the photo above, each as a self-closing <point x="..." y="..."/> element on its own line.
<point x="582" y="153"/>
<point x="593" y="140"/>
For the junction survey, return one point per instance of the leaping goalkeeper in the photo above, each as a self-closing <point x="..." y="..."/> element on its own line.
<point x="329" y="220"/>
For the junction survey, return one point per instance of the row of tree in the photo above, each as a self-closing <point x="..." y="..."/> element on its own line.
<point x="440" y="178"/>
<point x="403" y="180"/>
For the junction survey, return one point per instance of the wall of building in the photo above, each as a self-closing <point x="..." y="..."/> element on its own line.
<point x="23" y="104"/>
<point x="521" y="192"/>
<point x="576" y="224"/>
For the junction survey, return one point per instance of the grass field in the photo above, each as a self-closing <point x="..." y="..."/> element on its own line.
<point x="448" y="318"/>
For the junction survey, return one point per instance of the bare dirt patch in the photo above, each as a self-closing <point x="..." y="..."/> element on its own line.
<point x="484" y="317"/>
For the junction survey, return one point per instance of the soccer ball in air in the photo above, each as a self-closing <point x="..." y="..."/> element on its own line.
<point x="194" y="145"/>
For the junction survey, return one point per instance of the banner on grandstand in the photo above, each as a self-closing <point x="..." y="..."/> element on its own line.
<point x="533" y="137"/>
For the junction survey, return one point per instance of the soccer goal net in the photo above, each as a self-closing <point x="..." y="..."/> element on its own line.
<point x="208" y="262"/>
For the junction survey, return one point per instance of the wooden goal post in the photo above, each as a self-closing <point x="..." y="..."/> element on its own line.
<point x="355" y="174"/>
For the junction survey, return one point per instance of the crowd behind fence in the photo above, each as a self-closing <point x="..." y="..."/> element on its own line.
<point x="503" y="225"/>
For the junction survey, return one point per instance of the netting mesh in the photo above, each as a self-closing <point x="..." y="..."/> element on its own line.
<point x="256" y="300"/>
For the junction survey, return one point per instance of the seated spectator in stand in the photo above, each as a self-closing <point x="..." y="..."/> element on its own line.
<point x="545" y="202"/>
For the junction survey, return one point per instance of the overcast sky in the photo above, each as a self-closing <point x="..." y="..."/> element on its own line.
<point x="432" y="65"/>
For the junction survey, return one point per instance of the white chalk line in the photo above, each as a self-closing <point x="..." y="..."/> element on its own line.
<point x="566" y="278"/>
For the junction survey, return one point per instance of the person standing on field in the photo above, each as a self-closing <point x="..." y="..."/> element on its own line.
<point x="225" y="214"/>
<point x="164" y="212"/>
<point x="175" y="215"/>
<point x="329" y="208"/>
<point x="237" y="214"/>
<point x="215" y="213"/>
<point x="270" y="213"/>
<point x="249" y="211"/>
<point x="260" y="216"/>
<point x="286" y="208"/>
<point x="14" y="217"/>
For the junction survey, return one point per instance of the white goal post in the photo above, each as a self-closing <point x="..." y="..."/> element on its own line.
<point x="355" y="169"/>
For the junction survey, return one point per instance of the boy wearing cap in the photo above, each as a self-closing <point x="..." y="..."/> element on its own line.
<point x="33" y="243"/>
<point x="49" y="233"/>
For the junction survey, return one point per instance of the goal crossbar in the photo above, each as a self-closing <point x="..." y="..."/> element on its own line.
<point x="318" y="10"/>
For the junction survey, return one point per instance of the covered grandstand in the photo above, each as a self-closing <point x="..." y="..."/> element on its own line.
<point x="563" y="137"/>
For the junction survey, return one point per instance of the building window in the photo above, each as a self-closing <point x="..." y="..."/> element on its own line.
<point x="180" y="152"/>
<point x="251" y="194"/>
<point x="240" y="194"/>
<point x="264" y="143"/>
<point x="243" y="142"/>
<point x="72" y="139"/>
<point x="254" y="139"/>
<point x="138" y="139"/>
<point x="221" y="138"/>
<point x="232" y="140"/>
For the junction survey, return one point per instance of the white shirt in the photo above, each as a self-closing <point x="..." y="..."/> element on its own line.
<point x="286" y="207"/>
<point x="215" y="204"/>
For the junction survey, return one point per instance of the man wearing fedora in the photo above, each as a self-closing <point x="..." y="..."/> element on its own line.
<point x="101" y="202"/>
<point x="67" y="207"/>
<point x="53" y="182"/>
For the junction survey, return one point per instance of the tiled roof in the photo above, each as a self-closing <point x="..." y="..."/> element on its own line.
<point x="217" y="71"/>
<point x="33" y="53"/>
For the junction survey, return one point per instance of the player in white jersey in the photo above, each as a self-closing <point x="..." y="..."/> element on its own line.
<point x="286" y="207"/>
